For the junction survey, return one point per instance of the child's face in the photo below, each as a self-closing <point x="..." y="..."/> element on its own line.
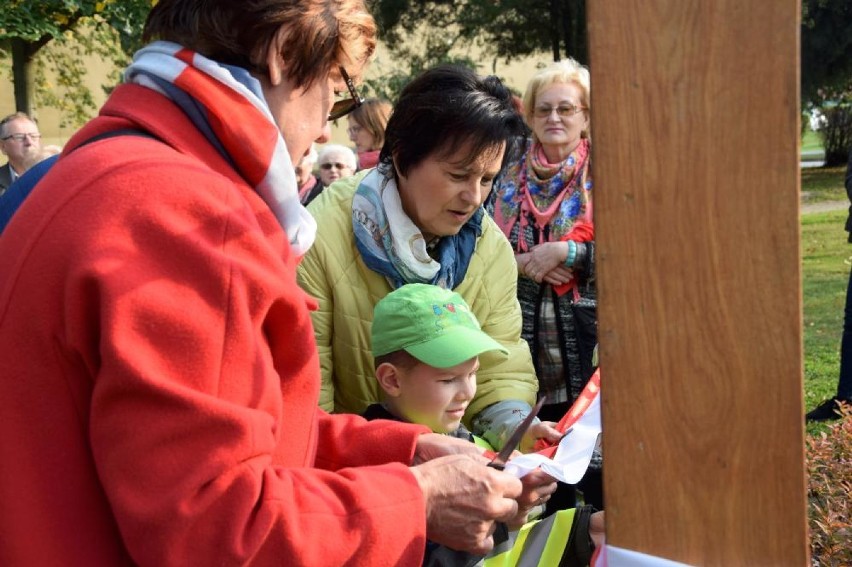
<point x="436" y="397"/>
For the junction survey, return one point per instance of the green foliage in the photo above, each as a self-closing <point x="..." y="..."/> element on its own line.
<point x="827" y="72"/>
<point x="507" y="29"/>
<point x="389" y="84"/>
<point x="425" y="33"/>
<point x="52" y="37"/>
<point x="829" y="462"/>
<point x="826" y="49"/>
<point x="836" y="132"/>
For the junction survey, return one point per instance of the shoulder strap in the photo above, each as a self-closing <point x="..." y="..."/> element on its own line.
<point x="115" y="133"/>
<point x="12" y="198"/>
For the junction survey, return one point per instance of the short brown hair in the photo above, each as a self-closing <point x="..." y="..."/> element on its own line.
<point x="373" y="116"/>
<point x="314" y="36"/>
<point x="399" y="358"/>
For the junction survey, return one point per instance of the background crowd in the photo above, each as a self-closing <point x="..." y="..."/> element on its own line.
<point x="177" y="322"/>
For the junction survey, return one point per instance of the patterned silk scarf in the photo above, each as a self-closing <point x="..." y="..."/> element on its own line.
<point x="556" y="196"/>
<point x="227" y="106"/>
<point x="392" y="245"/>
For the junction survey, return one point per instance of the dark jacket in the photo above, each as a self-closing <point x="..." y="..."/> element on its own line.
<point x="5" y="177"/>
<point x="849" y="194"/>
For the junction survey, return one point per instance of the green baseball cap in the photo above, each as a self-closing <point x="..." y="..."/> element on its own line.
<point x="432" y="324"/>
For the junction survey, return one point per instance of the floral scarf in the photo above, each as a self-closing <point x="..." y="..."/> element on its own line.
<point x="227" y="106"/>
<point x="392" y="245"/>
<point x="556" y="196"/>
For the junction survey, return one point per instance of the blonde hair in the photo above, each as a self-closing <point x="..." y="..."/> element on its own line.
<point x="566" y="71"/>
<point x="373" y="116"/>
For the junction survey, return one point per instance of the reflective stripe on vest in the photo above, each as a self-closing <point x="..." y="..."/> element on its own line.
<point x="539" y="543"/>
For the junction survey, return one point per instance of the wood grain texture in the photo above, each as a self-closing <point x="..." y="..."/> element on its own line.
<point x="695" y="128"/>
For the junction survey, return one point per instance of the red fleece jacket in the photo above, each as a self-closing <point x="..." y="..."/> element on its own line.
<point x="159" y="378"/>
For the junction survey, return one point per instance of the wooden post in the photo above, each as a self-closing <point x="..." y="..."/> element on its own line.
<point x="695" y="128"/>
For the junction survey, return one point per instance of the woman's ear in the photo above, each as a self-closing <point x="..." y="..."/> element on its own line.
<point x="274" y="60"/>
<point x="397" y="173"/>
<point x="388" y="377"/>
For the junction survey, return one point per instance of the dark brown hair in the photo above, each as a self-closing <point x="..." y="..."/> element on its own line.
<point x="444" y="109"/>
<point x="313" y="36"/>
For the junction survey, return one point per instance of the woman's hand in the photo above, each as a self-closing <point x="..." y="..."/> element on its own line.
<point x="538" y="487"/>
<point x="542" y="259"/>
<point x="522" y="260"/>
<point x="559" y="275"/>
<point x="463" y="500"/>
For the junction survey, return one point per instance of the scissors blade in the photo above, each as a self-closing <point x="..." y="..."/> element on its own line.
<point x="515" y="439"/>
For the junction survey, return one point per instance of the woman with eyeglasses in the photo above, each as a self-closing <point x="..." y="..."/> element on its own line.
<point x="543" y="204"/>
<point x="418" y="218"/>
<point x="335" y="162"/>
<point x="367" y="130"/>
<point x="158" y="367"/>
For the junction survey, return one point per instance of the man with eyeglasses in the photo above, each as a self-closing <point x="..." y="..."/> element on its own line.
<point x="20" y="140"/>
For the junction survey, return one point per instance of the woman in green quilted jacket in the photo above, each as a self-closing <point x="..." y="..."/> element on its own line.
<point x="418" y="218"/>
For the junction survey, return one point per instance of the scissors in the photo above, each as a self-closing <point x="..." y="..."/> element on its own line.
<point x="499" y="462"/>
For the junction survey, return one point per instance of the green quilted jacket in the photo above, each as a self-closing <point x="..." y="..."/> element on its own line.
<point x="347" y="290"/>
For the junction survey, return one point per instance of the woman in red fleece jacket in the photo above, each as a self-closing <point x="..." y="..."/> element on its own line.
<point x="158" y="370"/>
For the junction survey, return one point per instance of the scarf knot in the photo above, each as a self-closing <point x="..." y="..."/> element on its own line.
<point x="226" y="104"/>
<point x="392" y="245"/>
<point x="554" y="196"/>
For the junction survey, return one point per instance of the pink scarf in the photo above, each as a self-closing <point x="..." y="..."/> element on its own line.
<point x="366" y="160"/>
<point x="306" y="189"/>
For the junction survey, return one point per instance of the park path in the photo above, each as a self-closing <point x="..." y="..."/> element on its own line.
<point x="823" y="206"/>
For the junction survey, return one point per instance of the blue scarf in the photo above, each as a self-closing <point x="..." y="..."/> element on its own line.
<point x="390" y="243"/>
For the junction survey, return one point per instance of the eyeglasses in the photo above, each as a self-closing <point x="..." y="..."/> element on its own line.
<point x="22" y="137"/>
<point x="353" y="130"/>
<point x="563" y="110"/>
<point x="328" y="166"/>
<point x="343" y="107"/>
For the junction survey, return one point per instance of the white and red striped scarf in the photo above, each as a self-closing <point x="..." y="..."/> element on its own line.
<point x="227" y="105"/>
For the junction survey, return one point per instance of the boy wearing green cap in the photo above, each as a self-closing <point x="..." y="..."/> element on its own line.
<point x="426" y="345"/>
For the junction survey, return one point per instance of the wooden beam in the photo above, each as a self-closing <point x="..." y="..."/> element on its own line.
<point x="695" y="128"/>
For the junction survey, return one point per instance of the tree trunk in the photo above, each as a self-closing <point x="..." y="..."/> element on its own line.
<point x="567" y="36"/>
<point x="554" y="28"/>
<point x="580" y="36"/>
<point x="21" y="76"/>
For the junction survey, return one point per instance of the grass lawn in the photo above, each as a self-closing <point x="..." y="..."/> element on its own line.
<point x="811" y="142"/>
<point x="825" y="273"/>
<point x="826" y="263"/>
<point x="824" y="184"/>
